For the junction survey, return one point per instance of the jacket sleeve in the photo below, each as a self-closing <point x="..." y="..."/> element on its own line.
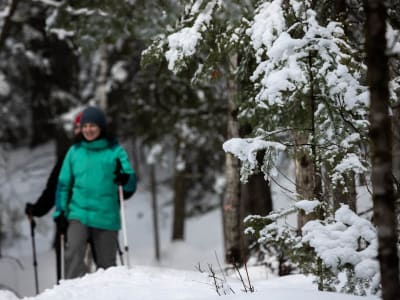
<point x="64" y="186"/>
<point x="46" y="200"/>
<point x="130" y="187"/>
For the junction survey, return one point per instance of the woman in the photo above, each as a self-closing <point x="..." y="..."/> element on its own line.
<point x="46" y="200"/>
<point x="87" y="194"/>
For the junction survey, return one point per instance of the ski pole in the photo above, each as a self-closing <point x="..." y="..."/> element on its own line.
<point x="62" y="257"/>
<point x="122" y="212"/>
<point x="35" y="265"/>
<point x="120" y="253"/>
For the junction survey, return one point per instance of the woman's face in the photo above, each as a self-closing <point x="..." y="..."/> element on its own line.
<point x="90" y="131"/>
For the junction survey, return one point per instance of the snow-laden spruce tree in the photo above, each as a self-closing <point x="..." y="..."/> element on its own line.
<point x="308" y="83"/>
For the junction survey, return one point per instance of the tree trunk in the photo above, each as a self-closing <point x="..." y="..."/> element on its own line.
<point x="381" y="145"/>
<point x="305" y="178"/>
<point x="340" y="8"/>
<point x="178" y="229"/>
<point x="308" y="173"/>
<point x="255" y="195"/>
<point x="231" y="202"/>
<point x="255" y="199"/>
<point x="396" y="146"/>
<point x="153" y="183"/>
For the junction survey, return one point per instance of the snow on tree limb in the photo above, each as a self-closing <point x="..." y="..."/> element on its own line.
<point x="183" y="43"/>
<point x="246" y="151"/>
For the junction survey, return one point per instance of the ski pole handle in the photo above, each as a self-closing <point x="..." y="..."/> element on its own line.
<point x="62" y="257"/>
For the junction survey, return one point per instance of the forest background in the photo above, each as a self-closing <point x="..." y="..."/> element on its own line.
<point x="316" y="82"/>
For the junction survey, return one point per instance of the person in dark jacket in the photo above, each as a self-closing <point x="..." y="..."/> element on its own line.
<point x="87" y="203"/>
<point x="46" y="200"/>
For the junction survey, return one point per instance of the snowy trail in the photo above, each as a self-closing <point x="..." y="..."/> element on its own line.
<point x="152" y="283"/>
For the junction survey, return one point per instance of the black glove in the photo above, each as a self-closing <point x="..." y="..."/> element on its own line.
<point x="62" y="224"/>
<point x="29" y="207"/>
<point x="121" y="178"/>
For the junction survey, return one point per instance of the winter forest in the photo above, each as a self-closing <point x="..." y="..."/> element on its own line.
<point x="230" y="106"/>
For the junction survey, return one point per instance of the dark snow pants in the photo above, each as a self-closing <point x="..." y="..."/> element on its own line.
<point x="104" y="242"/>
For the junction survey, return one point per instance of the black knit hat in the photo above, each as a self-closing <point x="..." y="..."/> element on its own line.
<point x="94" y="115"/>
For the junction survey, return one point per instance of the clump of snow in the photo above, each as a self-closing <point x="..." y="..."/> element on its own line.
<point x="351" y="162"/>
<point x="350" y="140"/>
<point x="268" y="15"/>
<point x="4" y="86"/>
<point x="118" y="71"/>
<point x="86" y="12"/>
<point x="183" y="43"/>
<point x="350" y="239"/>
<point x="62" y="33"/>
<point x="307" y="206"/>
<point x="393" y="40"/>
<point x="246" y="149"/>
<point x="154" y="154"/>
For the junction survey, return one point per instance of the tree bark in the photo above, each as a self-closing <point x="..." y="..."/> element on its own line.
<point x="231" y="202"/>
<point x="178" y="230"/>
<point x="305" y="178"/>
<point x="255" y="195"/>
<point x="154" y="206"/>
<point x="381" y="145"/>
<point x="255" y="199"/>
<point x="396" y="146"/>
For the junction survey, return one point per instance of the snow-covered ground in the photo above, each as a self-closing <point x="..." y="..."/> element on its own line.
<point x="175" y="276"/>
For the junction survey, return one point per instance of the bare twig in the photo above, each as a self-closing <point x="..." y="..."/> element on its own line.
<point x="251" y="287"/>
<point x="214" y="277"/>
<point x="240" y="276"/>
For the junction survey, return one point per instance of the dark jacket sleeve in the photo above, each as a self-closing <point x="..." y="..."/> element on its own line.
<point x="46" y="200"/>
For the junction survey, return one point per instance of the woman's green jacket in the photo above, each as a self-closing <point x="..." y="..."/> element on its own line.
<point x="86" y="190"/>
